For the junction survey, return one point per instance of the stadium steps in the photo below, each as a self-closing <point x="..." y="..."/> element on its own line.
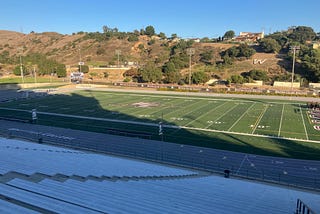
<point x="37" y="177"/>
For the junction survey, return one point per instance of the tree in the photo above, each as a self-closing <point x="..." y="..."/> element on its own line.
<point x="45" y="66"/>
<point x="229" y="34"/>
<point x="227" y="59"/>
<point x="256" y="75"/>
<point x="206" y="56"/>
<point x="181" y="47"/>
<point x="281" y="38"/>
<point x="238" y="79"/>
<point x="84" y="68"/>
<point x="61" y="70"/>
<point x="149" y="30"/>
<point x="245" y="51"/>
<point x="17" y="70"/>
<point x="302" y="34"/>
<point x="172" y="75"/>
<point x="174" y="36"/>
<point x="232" y="52"/>
<point x="133" y="38"/>
<point x="200" y="77"/>
<point x="162" y="35"/>
<point x="180" y="61"/>
<point x="270" y="45"/>
<point x="311" y="65"/>
<point x="150" y="73"/>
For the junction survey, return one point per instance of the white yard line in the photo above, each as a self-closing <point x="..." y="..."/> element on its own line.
<point x="222" y="115"/>
<point x="259" y="119"/>
<point x="304" y="125"/>
<point x="200" y="116"/>
<point x="187" y="106"/>
<point x="206" y="113"/>
<point x="241" y="116"/>
<point x="280" y="125"/>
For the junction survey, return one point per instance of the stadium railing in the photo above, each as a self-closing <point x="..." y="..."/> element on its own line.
<point x="302" y="208"/>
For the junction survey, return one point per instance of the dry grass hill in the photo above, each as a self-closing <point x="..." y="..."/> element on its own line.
<point x="67" y="49"/>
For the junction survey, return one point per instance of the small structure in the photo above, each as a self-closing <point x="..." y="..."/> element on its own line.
<point x="254" y="83"/>
<point x="249" y="37"/>
<point x="76" y="77"/>
<point x="286" y="84"/>
<point x="314" y="85"/>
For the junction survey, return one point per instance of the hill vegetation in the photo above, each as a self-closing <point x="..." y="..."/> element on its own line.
<point x="157" y="58"/>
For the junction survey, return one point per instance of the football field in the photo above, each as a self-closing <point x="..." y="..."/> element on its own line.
<point x="269" y="127"/>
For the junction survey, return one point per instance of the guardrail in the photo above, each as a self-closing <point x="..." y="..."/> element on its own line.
<point x="302" y="208"/>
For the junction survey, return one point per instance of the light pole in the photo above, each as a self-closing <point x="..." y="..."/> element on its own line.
<point x="190" y="52"/>
<point x="118" y="52"/>
<point x="294" y="49"/>
<point x="80" y="62"/>
<point x="21" y="66"/>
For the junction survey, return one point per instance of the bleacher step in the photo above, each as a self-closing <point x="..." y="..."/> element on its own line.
<point x="38" y="177"/>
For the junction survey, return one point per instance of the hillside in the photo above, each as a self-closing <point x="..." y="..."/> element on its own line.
<point x="65" y="48"/>
<point x="68" y="49"/>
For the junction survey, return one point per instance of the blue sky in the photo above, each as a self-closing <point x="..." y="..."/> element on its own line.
<point x="202" y="18"/>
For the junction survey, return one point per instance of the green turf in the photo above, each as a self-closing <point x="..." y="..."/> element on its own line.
<point x="232" y="124"/>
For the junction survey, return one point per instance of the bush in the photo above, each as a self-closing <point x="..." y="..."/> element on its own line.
<point x="127" y="79"/>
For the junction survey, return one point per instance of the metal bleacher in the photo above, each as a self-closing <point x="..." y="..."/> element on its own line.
<point x="200" y="195"/>
<point x="48" y="179"/>
<point x="285" y="171"/>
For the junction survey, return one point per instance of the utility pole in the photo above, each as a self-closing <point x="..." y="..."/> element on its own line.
<point x="294" y="49"/>
<point x="190" y="52"/>
<point x="118" y="52"/>
<point x="80" y="62"/>
<point x="21" y="66"/>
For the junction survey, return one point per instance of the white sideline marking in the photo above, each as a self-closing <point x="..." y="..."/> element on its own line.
<point x="304" y="125"/>
<point x="201" y="98"/>
<point x="241" y="116"/>
<point x="280" y="125"/>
